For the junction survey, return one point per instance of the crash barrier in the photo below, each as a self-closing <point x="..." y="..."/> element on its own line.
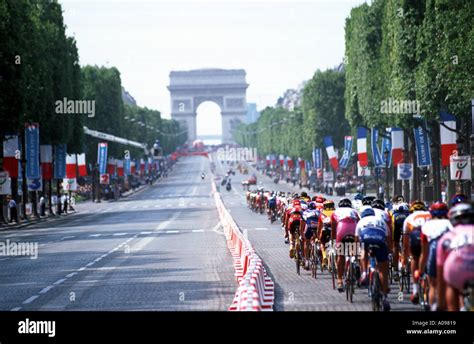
<point x="256" y="289"/>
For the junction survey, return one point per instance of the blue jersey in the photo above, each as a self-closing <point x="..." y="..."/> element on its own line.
<point x="311" y="217"/>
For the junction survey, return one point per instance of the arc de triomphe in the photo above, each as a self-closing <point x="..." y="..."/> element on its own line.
<point x="226" y="87"/>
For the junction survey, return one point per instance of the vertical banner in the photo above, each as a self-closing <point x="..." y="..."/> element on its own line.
<point x="46" y="161"/>
<point x="282" y="159"/>
<point x="448" y="137"/>
<point x="10" y="162"/>
<point x="378" y="160"/>
<point x="362" y="146"/>
<point x="71" y="166"/>
<point x="317" y="158"/>
<point x="132" y="167"/>
<point x="60" y="161"/>
<point x="81" y="163"/>
<point x="102" y="157"/>
<point x="346" y="155"/>
<point x="422" y="142"/>
<point x="398" y="145"/>
<point x="301" y="164"/>
<point x="290" y="162"/>
<point x="142" y="166"/>
<point x="127" y="167"/>
<point x="387" y="148"/>
<point x="332" y="156"/>
<point x="32" y="151"/>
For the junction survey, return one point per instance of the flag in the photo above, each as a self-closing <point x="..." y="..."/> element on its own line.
<point x="142" y="166"/>
<point x="46" y="152"/>
<point x="387" y="147"/>
<point x="331" y="153"/>
<point x="10" y="163"/>
<point x="301" y="163"/>
<point x="362" y="147"/>
<point x="120" y="168"/>
<point x="291" y="164"/>
<point x="81" y="163"/>
<point x="102" y="157"/>
<point x="397" y="146"/>
<point x="111" y="167"/>
<point x="282" y="159"/>
<point x="132" y="167"/>
<point x="71" y="166"/>
<point x="448" y="137"/>
<point x="422" y="143"/>
<point x="317" y="158"/>
<point x="32" y="151"/>
<point x="378" y="160"/>
<point x="346" y="155"/>
<point x="60" y="161"/>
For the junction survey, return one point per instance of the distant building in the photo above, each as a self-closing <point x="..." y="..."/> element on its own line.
<point x="252" y="113"/>
<point x="291" y="98"/>
<point x="127" y="98"/>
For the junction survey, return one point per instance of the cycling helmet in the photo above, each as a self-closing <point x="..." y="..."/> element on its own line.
<point x="304" y="194"/>
<point x="402" y="208"/>
<point x="366" y="211"/>
<point x="367" y="200"/>
<point x="312" y="205"/>
<point x="398" y="199"/>
<point x="378" y="204"/>
<point x="345" y="202"/>
<point x="462" y="213"/>
<point x="459" y="198"/>
<point x="358" y="197"/>
<point x="328" y="205"/>
<point x="416" y="206"/>
<point x="439" y="209"/>
<point x="320" y="199"/>
<point x="296" y="202"/>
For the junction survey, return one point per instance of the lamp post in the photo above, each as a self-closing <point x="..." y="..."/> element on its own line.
<point x="387" y="186"/>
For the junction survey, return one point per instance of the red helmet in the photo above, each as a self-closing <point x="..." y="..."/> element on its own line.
<point x="439" y="209"/>
<point x="296" y="202"/>
<point x="320" y="199"/>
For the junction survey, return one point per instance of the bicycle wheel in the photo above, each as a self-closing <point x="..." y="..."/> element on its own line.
<point x="314" y="262"/>
<point x="376" y="295"/>
<point x="298" y="258"/>
<point x="333" y="271"/>
<point x="351" y="281"/>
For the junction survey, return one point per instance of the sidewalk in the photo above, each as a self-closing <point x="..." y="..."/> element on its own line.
<point x="53" y="217"/>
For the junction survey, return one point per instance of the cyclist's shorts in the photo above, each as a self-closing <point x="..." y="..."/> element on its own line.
<point x="272" y="204"/>
<point x="415" y="243"/>
<point x="397" y="233"/>
<point x="325" y="234"/>
<point x="346" y="227"/>
<point x="431" y="262"/>
<point x="308" y="233"/>
<point x="375" y="240"/>
<point x="459" y="267"/>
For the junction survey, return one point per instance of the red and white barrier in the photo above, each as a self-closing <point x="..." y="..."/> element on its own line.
<point x="256" y="288"/>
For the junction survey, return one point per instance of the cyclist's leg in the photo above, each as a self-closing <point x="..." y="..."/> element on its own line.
<point x="452" y="298"/>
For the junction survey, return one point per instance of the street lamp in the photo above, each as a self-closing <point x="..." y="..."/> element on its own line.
<point x="386" y="155"/>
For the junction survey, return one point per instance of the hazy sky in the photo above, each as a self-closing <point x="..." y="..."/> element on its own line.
<point x="278" y="43"/>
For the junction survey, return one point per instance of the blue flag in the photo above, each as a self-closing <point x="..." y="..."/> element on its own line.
<point x="32" y="148"/>
<point x="422" y="142"/>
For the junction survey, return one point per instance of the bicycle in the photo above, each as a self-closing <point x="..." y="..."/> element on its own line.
<point x="331" y="254"/>
<point x="424" y="288"/>
<point x="375" y="286"/>
<point x="350" y="276"/>
<point x="298" y="254"/>
<point x="405" y="278"/>
<point x="315" y="259"/>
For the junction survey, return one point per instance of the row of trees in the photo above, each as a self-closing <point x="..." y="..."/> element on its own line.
<point x="414" y="50"/>
<point x="39" y="65"/>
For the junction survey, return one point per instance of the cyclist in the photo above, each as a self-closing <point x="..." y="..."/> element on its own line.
<point x="305" y="197"/>
<point x="367" y="200"/>
<point x="411" y="240"/>
<point x="373" y="233"/>
<point x="324" y="227"/>
<point x="292" y="224"/>
<point x="343" y="224"/>
<point x="454" y="257"/>
<point x="272" y="205"/>
<point x="308" y="228"/>
<point x="399" y="215"/>
<point x="431" y="231"/>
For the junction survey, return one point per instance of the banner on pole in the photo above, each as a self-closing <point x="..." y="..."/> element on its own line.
<point x="346" y="155"/>
<point x="60" y="161"/>
<point x="423" y="155"/>
<point x="32" y="151"/>
<point x="460" y="167"/>
<point x="102" y="157"/>
<point x="404" y="171"/>
<point x="362" y="171"/>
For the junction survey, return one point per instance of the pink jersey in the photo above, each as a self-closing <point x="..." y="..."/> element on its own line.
<point x="344" y="213"/>
<point x="459" y="264"/>
<point x="435" y="228"/>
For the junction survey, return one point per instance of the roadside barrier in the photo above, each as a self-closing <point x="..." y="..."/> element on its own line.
<point x="256" y="289"/>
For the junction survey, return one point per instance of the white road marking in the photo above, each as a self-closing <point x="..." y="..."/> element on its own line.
<point x="95" y="235"/>
<point x="68" y="237"/>
<point x="198" y="230"/>
<point x="71" y="274"/>
<point x="59" y="281"/>
<point x="16" y="309"/>
<point x="146" y="233"/>
<point x="31" y="299"/>
<point x="45" y="290"/>
<point x="120" y="234"/>
<point x="157" y="206"/>
<point x="172" y="232"/>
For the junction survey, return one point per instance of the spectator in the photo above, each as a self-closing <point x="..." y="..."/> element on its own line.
<point x="12" y="206"/>
<point x="42" y="203"/>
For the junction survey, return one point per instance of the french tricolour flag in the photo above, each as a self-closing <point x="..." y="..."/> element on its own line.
<point x="331" y="153"/>
<point x="81" y="163"/>
<point x="282" y="159"/>
<point x="362" y="146"/>
<point x="291" y="165"/>
<point x="132" y="167"/>
<point x="10" y="163"/>
<point x="111" y="167"/>
<point x="46" y="152"/>
<point x="448" y="137"/>
<point x="397" y="146"/>
<point x="120" y="168"/>
<point x="301" y="163"/>
<point x="71" y="166"/>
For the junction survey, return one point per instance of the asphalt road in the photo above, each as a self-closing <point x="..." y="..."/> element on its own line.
<point x="292" y="292"/>
<point x="159" y="249"/>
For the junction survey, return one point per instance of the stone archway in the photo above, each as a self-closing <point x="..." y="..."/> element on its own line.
<point x="225" y="87"/>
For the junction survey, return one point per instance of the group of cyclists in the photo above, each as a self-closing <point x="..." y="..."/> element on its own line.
<point x="427" y="247"/>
